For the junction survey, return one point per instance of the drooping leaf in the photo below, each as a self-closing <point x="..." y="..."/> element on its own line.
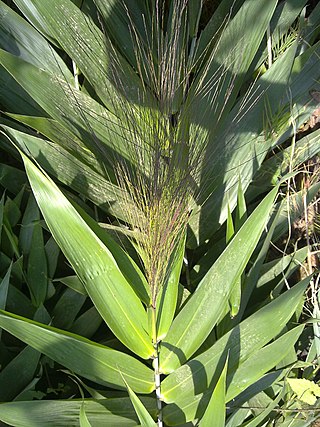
<point x="117" y="412"/>
<point x="72" y="168"/>
<point x="80" y="113"/>
<point x="82" y="356"/>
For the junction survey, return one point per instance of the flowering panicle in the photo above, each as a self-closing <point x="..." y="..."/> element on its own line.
<point x="165" y="148"/>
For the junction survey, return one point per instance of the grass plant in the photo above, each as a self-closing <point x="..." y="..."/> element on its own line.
<point x="164" y="126"/>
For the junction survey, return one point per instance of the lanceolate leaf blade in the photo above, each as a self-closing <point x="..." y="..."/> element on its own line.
<point x="75" y="110"/>
<point x="117" y="412"/>
<point x="37" y="272"/>
<point x="243" y="340"/>
<point x="242" y="33"/>
<point x="17" y="35"/>
<point x="82" y="356"/>
<point x="167" y="298"/>
<point x="262" y="361"/>
<point x="144" y="417"/>
<point x="94" y="264"/>
<point x="70" y="167"/>
<point x="126" y="264"/>
<point x="195" y="321"/>
<point x="86" y="46"/>
<point x="247" y="374"/>
<point x="25" y="363"/>
<point x="216" y="411"/>
<point x="244" y="144"/>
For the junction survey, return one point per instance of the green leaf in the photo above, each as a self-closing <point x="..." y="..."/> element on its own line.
<point x="144" y="417"/>
<point x="87" y="46"/>
<point x="1" y="211"/>
<point x="37" y="274"/>
<point x="73" y="167"/>
<point x="14" y="98"/>
<point x="18" y="37"/>
<point x="126" y="264"/>
<point x="276" y="268"/>
<point x="269" y="380"/>
<point x="241" y="209"/>
<point x="78" y="112"/>
<point x="11" y="178"/>
<point x="313" y="25"/>
<point x="73" y="282"/>
<point x="225" y="10"/>
<point x="215" y="413"/>
<point x="244" y="147"/>
<point x="119" y="22"/>
<point x="4" y="286"/>
<point x="94" y="264"/>
<point x="30" y="217"/>
<point x="201" y="312"/>
<point x="82" y="356"/>
<point x="230" y="227"/>
<point x="168" y="296"/>
<point x="194" y="13"/>
<point x="243" y="33"/>
<point x="291" y="209"/>
<point x="242" y="341"/>
<point x="61" y="413"/>
<point x="279" y="164"/>
<point x="248" y="372"/>
<point x="87" y="323"/>
<point x="282" y="27"/>
<point x="250" y="279"/>
<point x="17" y="302"/>
<point x="235" y="298"/>
<point x="67" y="308"/>
<point x="18" y="373"/>
<point x="271" y="406"/>
<point x="52" y="253"/>
<point x="260" y="362"/>
<point x="84" y="422"/>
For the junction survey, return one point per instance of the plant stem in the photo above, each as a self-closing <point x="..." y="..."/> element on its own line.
<point x="157" y="382"/>
<point x="157" y="379"/>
